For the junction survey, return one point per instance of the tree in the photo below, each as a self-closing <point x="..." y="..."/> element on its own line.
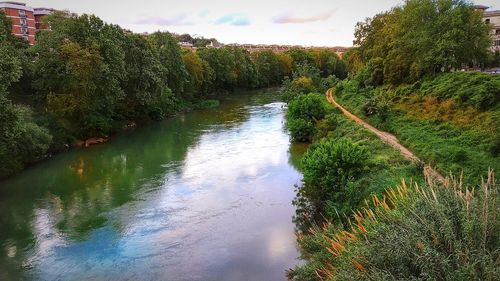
<point x="171" y="58"/>
<point x="300" y="57"/>
<point x="10" y="64"/>
<point x="303" y="112"/>
<point x="423" y="37"/>
<point x="200" y="73"/>
<point x="268" y="67"/>
<point x="80" y="67"/>
<point x="223" y="64"/>
<point x="144" y="85"/>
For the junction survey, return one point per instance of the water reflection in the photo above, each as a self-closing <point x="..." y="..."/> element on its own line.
<point x="206" y="196"/>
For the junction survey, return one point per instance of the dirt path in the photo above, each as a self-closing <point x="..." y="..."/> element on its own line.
<point x="429" y="172"/>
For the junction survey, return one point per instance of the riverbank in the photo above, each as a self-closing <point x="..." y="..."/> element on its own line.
<point x="438" y="119"/>
<point x="345" y="239"/>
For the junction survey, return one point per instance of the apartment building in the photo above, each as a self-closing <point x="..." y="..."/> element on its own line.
<point x="26" y="21"/>
<point x="39" y="14"/>
<point x="23" y="20"/>
<point x="493" y="19"/>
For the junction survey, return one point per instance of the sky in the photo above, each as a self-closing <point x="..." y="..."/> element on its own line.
<point x="290" y="22"/>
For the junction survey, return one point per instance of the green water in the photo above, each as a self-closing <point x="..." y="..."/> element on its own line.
<point x="203" y="196"/>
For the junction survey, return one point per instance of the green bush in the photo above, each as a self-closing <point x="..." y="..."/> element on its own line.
<point x="303" y="114"/>
<point x="330" y="170"/>
<point x="21" y="140"/>
<point x="308" y="107"/>
<point x="301" y="130"/>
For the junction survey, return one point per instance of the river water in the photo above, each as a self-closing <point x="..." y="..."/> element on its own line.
<point x="202" y="196"/>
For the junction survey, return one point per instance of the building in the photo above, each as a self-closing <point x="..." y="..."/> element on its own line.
<point x="39" y="13"/>
<point x="23" y="20"/>
<point x="493" y="19"/>
<point x="186" y="45"/>
<point x="26" y="21"/>
<point x="283" y="48"/>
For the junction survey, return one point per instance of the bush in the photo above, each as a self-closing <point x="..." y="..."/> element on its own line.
<point x="309" y="107"/>
<point x="302" y="115"/>
<point x="325" y="126"/>
<point x="301" y="130"/>
<point x="21" y="140"/>
<point x="330" y="170"/>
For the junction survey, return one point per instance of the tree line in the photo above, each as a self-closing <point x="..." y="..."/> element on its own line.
<point x="86" y="78"/>
<point x="418" y="39"/>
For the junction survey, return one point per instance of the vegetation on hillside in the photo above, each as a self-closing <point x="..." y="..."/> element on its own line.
<point x="451" y="121"/>
<point x="403" y="78"/>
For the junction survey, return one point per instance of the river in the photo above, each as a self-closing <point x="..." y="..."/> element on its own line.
<point x="205" y="195"/>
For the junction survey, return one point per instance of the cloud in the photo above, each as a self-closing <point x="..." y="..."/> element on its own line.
<point x="177" y="20"/>
<point x="292" y="18"/>
<point x="233" y="19"/>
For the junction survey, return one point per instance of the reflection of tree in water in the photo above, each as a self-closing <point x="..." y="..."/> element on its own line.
<point x="75" y="189"/>
<point x="295" y="153"/>
<point x="303" y="209"/>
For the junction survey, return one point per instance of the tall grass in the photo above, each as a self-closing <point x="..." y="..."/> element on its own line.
<point x="445" y="231"/>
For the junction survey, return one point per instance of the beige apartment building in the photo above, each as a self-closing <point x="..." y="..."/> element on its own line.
<point x="493" y="19"/>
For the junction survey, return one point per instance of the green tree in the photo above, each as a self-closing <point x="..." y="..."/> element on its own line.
<point x="308" y="107"/>
<point x="21" y="140"/>
<point x="80" y="66"/>
<point x="171" y="58"/>
<point x="200" y="73"/>
<point x="424" y="37"/>
<point x="300" y="57"/>
<point x="144" y="85"/>
<point x="268" y="67"/>
<point x="223" y="64"/>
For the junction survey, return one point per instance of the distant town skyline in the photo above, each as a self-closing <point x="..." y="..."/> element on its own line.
<point x="292" y="22"/>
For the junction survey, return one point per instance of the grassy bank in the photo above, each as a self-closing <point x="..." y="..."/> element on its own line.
<point x="452" y="122"/>
<point x="372" y="226"/>
<point x="384" y="166"/>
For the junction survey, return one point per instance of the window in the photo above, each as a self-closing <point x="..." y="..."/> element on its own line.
<point x="24" y="30"/>
<point x="23" y="22"/>
<point x="22" y="13"/>
<point x="497" y="32"/>
<point x="497" y="42"/>
<point x="25" y="37"/>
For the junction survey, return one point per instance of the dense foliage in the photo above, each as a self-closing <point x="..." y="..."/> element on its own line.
<point x="403" y="79"/>
<point x="86" y="78"/>
<point x="302" y="115"/>
<point x="451" y="121"/>
<point x="421" y="37"/>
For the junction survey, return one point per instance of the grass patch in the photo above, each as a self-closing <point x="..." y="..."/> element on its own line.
<point x="454" y="136"/>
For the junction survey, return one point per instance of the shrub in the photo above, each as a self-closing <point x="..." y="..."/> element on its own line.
<point x="309" y="107"/>
<point x="330" y="170"/>
<point x="21" y="140"/>
<point x="325" y="126"/>
<point x="301" y="130"/>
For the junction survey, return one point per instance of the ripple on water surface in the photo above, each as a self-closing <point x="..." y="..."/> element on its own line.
<point x="203" y="196"/>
